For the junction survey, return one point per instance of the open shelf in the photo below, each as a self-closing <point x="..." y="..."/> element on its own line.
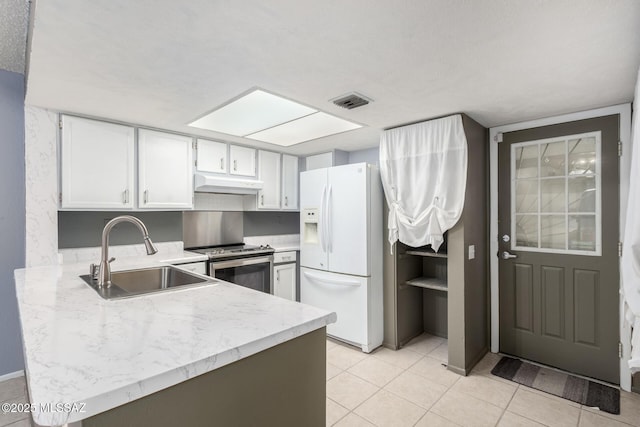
<point x="426" y="253"/>
<point x="429" y="283"/>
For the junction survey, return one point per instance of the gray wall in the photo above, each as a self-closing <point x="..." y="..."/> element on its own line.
<point x="270" y="223"/>
<point x="370" y="155"/>
<point x="12" y="216"/>
<point x="84" y="229"/>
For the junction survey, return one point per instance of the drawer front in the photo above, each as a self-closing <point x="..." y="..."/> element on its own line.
<point x="280" y="257"/>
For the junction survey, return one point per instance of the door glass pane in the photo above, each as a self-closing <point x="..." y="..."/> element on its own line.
<point x="527" y="230"/>
<point x="552" y="231"/>
<point x="552" y="195"/>
<point x="555" y="194"/>
<point x="527" y="195"/>
<point x="552" y="159"/>
<point x="526" y="159"/>
<point x="582" y="194"/>
<point x="582" y="156"/>
<point x="582" y="232"/>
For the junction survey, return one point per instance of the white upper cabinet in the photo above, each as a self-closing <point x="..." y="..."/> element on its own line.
<point x="97" y="165"/>
<point x="211" y="156"/>
<point x="289" y="182"/>
<point x="269" y="174"/>
<point x="242" y="161"/>
<point x="165" y="171"/>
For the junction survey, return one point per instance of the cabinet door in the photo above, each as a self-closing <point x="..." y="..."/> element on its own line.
<point x="211" y="156"/>
<point x="269" y="174"/>
<point x="165" y="173"/>
<point x="289" y="182"/>
<point x="97" y="164"/>
<point x="284" y="278"/>
<point x="242" y="161"/>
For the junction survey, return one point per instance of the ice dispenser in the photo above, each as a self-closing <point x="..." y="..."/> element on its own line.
<point x="310" y="225"/>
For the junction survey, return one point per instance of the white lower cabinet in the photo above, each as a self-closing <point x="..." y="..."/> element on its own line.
<point x="284" y="281"/>
<point x="165" y="170"/>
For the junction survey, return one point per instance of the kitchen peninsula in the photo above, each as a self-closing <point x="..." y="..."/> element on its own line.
<point x="218" y="354"/>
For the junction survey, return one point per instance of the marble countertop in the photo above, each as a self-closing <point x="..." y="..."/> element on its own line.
<point x="101" y="354"/>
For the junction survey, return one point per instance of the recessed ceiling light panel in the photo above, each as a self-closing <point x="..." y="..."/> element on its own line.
<point x="304" y="129"/>
<point x="253" y="112"/>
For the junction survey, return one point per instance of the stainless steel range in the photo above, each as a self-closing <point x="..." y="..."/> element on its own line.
<point x="219" y="236"/>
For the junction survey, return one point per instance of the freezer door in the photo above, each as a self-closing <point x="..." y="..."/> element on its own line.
<point x="345" y="295"/>
<point x="313" y="194"/>
<point x="348" y="219"/>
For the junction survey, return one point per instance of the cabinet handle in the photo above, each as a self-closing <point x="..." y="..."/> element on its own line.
<point x="235" y="165"/>
<point x="146" y="196"/>
<point x="262" y="200"/>
<point x="222" y="163"/>
<point x="125" y="197"/>
<point x="286" y="200"/>
<point x="278" y="276"/>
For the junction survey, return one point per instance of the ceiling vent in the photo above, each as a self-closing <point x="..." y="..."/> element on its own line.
<point x="351" y="101"/>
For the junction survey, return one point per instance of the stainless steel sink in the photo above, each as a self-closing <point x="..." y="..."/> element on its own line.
<point x="131" y="283"/>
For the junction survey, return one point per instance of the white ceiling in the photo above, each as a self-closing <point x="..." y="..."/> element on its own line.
<point x="164" y="63"/>
<point x="14" y="17"/>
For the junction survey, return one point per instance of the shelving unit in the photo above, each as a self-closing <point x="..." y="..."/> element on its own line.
<point x="428" y="281"/>
<point x="446" y="293"/>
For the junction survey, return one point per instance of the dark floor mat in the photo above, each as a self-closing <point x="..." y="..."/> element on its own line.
<point x="567" y="386"/>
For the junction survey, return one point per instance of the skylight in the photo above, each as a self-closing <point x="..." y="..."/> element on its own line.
<point x="270" y="118"/>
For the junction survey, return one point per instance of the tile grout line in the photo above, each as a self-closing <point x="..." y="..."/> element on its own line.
<point x="440" y="398"/>
<point x="509" y="403"/>
<point x="388" y="391"/>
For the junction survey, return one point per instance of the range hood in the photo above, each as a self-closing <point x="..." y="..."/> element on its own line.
<point x="223" y="184"/>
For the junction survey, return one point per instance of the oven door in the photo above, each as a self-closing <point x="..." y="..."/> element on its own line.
<point x="254" y="272"/>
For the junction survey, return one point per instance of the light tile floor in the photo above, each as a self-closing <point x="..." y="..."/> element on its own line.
<point x="14" y="391"/>
<point x="412" y="387"/>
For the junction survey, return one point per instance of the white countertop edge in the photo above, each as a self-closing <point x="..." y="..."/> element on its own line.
<point x="286" y="248"/>
<point x="114" y="398"/>
<point x="184" y="258"/>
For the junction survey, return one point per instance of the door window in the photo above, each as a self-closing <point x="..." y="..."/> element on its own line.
<point x="555" y="200"/>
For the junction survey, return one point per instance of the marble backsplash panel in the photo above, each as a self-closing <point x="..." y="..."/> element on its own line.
<point x="41" y="198"/>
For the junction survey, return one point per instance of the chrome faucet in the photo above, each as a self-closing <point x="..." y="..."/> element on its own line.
<point x="104" y="271"/>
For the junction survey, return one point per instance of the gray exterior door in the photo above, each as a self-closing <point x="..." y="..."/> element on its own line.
<point x="558" y="239"/>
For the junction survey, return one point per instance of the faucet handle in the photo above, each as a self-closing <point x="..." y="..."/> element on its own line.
<point x="93" y="271"/>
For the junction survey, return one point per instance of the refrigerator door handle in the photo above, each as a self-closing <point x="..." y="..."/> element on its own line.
<point x="328" y="214"/>
<point x="321" y="220"/>
<point x="322" y="280"/>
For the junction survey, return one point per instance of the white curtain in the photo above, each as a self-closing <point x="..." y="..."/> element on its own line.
<point x="424" y="174"/>
<point x="631" y="245"/>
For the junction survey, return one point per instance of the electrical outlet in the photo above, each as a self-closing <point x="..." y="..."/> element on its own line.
<point x="472" y="251"/>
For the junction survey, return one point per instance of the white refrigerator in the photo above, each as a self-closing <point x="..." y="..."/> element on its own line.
<point x="341" y="249"/>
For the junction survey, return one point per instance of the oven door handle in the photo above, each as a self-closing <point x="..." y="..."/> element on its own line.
<point x="216" y="265"/>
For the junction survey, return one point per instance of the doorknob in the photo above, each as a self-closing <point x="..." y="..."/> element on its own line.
<point x="507" y="255"/>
